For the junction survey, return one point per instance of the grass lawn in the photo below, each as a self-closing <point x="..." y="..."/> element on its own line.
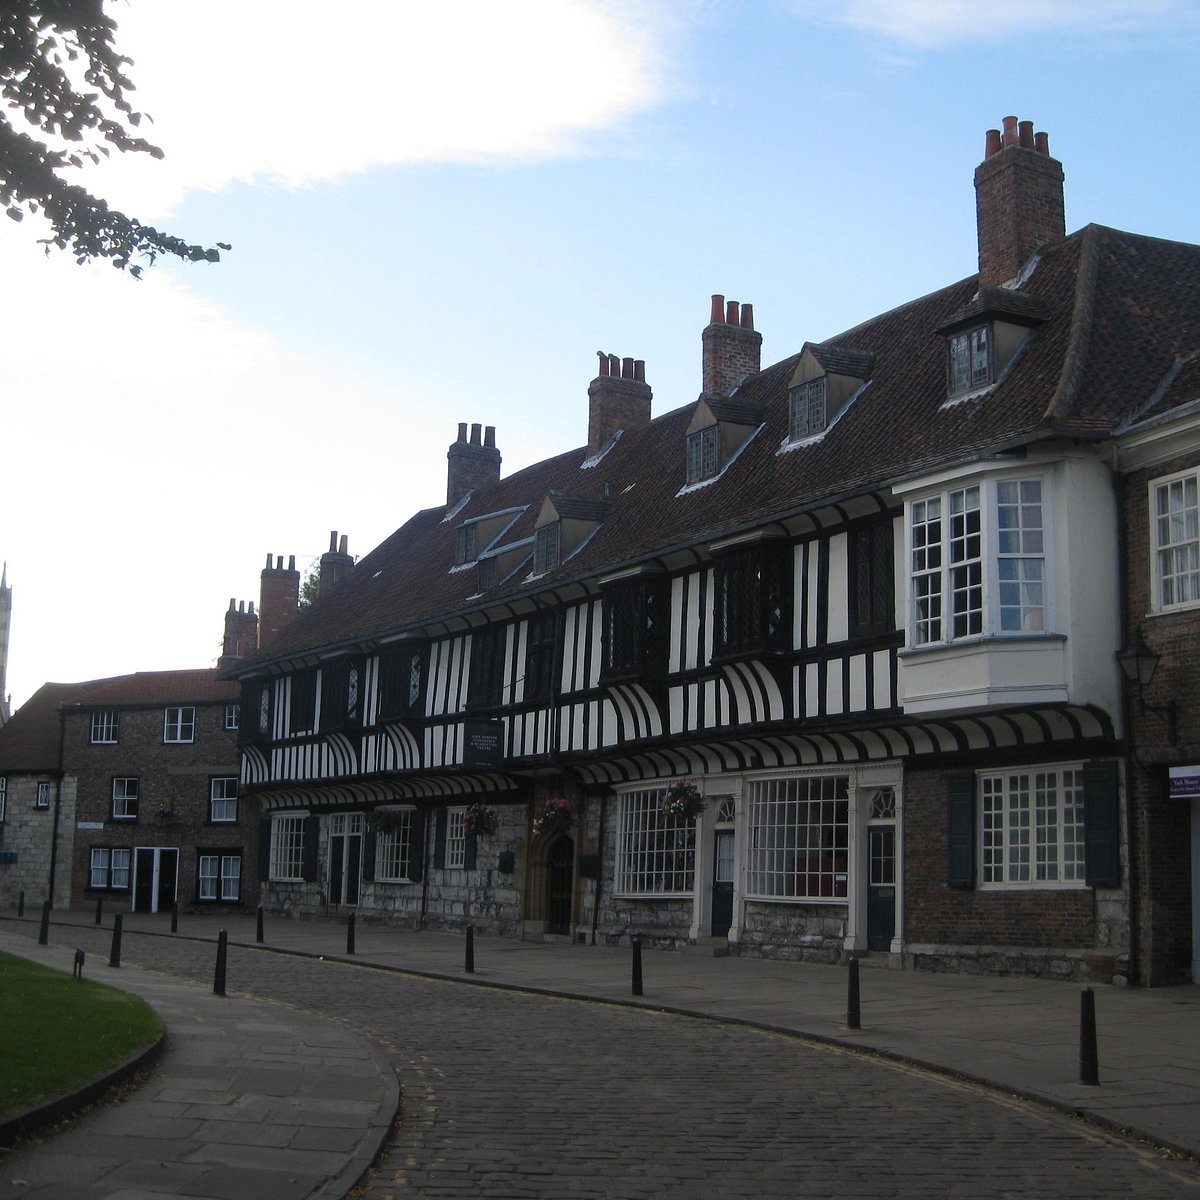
<point x="57" y="1033"/>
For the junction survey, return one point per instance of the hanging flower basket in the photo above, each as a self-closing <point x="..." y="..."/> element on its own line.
<point x="556" y="815"/>
<point x="481" y="820"/>
<point x="681" y="802"/>
<point x="388" y="820"/>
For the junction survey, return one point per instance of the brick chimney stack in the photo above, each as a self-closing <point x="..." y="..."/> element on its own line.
<point x="335" y="565"/>
<point x="618" y="399"/>
<point x="241" y="632"/>
<point x="472" y="466"/>
<point x="732" y="349"/>
<point x="278" y="599"/>
<point x="1018" y="200"/>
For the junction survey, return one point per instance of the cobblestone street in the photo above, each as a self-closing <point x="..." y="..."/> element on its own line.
<point x="517" y="1095"/>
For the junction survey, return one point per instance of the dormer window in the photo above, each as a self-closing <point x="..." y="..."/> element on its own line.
<point x="487" y="574"/>
<point x="563" y="527"/>
<point x="808" y="409"/>
<point x="702" y="454"/>
<point x="984" y="338"/>
<point x="716" y="436"/>
<point x="970" y="360"/>
<point x="825" y="382"/>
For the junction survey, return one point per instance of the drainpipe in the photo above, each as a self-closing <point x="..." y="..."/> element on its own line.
<point x="1121" y="489"/>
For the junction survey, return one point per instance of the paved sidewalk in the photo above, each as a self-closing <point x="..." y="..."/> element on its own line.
<point x="1019" y="1035"/>
<point x="249" y="1099"/>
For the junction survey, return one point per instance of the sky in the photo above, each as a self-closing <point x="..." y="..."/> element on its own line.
<point x="440" y="212"/>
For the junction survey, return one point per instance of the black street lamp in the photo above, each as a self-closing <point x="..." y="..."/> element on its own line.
<point x="1139" y="663"/>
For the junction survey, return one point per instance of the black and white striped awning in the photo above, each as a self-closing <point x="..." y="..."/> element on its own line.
<point x="1081" y="726"/>
<point x="367" y="793"/>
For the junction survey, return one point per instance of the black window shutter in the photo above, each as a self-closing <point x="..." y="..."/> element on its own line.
<point x="264" y="849"/>
<point x="312" y="838"/>
<point x="469" y="850"/>
<point x="416" y="853"/>
<point x="1101" y="825"/>
<point x="960" y="788"/>
<point x="439" y="839"/>
<point x="368" y="859"/>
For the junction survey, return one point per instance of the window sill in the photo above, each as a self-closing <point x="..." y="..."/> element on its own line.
<point x="991" y="640"/>
<point x="843" y="900"/>
<point x="1041" y="885"/>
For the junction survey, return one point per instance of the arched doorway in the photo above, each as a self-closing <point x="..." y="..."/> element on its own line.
<point x="560" y="884"/>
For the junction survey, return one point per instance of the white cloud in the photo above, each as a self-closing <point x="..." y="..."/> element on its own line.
<point x="928" y="24"/>
<point x="298" y="92"/>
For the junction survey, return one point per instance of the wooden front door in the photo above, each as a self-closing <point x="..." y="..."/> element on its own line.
<point x="345" y="858"/>
<point x="155" y="879"/>
<point x="722" y="888"/>
<point x="560" y="884"/>
<point x="881" y="886"/>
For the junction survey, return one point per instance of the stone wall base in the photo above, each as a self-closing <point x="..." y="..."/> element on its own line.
<point x="1084" y="966"/>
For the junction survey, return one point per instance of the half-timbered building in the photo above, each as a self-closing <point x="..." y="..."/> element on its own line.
<point x="822" y="662"/>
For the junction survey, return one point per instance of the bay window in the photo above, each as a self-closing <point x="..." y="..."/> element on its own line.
<point x="977" y="561"/>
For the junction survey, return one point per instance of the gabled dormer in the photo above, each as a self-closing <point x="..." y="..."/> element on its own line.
<point x="825" y="380"/>
<point x="563" y="526"/>
<point x="718" y="431"/>
<point x="479" y="534"/>
<point x="984" y="338"/>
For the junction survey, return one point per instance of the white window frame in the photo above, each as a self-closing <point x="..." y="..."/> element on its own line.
<point x="126" y="791"/>
<point x="233" y="717"/>
<point x="223" y="800"/>
<point x="456" y="839"/>
<point x="104" y="873"/>
<point x="653" y="858"/>
<point x="1030" y="828"/>
<point x="780" y="863"/>
<point x="394" y="851"/>
<point x="42" y="796"/>
<point x="105" y="727"/>
<point x="219" y="878"/>
<point x="287" y="848"/>
<point x="1175" y="540"/>
<point x="968" y="575"/>
<point x="179" y="724"/>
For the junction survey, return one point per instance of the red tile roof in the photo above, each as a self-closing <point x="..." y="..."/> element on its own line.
<point x="1115" y="311"/>
<point x="29" y="739"/>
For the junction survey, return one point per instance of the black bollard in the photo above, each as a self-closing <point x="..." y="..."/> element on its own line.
<point x="114" y="955"/>
<point x="469" y="966"/>
<point x="99" y="910"/>
<point x="20" y="904"/>
<point x="259" y="932"/>
<point x="44" y="931"/>
<point x="350" y="934"/>
<point x="1089" y="1062"/>
<point x="853" y="1016"/>
<point x="175" y="916"/>
<point x="636" y="943"/>
<point x="219" y="973"/>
